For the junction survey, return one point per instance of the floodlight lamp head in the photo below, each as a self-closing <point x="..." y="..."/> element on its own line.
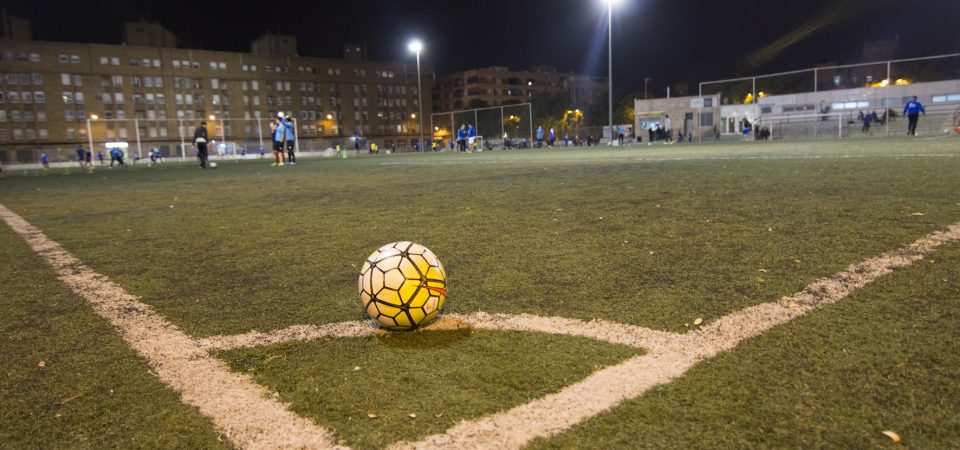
<point x="416" y="46"/>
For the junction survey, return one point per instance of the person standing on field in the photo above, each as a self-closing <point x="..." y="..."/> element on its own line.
<point x="200" y="140"/>
<point x="668" y="129"/>
<point x="80" y="155"/>
<point x="291" y="137"/>
<point x="279" y="134"/>
<point x="912" y="110"/>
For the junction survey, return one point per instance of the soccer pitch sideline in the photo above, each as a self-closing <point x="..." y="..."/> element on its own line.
<point x="708" y="296"/>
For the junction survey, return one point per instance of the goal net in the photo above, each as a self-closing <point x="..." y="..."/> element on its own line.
<point x="508" y="126"/>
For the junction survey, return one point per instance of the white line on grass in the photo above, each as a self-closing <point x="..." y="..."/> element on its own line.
<point x="241" y="409"/>
<point x="564" y="159"/>
<point x="614" y="333"/>
<point x="550" y="415"/>
<point x="669" y="355"/>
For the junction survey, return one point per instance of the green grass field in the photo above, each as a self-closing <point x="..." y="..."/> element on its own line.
<point x="648" y="236"/>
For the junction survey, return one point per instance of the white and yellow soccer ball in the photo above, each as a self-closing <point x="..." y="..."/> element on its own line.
<point x="403" y="286"/>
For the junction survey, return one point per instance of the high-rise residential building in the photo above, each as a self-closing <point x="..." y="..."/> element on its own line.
<point x="151" y="94"/>
<point x="495" y="86"/>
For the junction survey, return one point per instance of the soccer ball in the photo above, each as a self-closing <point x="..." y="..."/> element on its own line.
<point x="213" y="165"/>
<point x="402" y="286"/>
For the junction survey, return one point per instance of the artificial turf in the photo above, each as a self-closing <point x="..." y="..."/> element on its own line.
<point x="67" y="379"/>
<point x="649" y="236"/>
<point x="884" y="359"/>
<point x="439" y="377"/>
<point x="632" y="236"/>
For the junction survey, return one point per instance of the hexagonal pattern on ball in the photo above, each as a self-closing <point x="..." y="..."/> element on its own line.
<point x="402" y="286"/>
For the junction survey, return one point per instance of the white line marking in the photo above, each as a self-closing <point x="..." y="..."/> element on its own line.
<point x="609" y="387"/>
<point x="241" y="409"/>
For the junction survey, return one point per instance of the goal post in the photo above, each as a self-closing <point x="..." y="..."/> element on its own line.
<point x="497" y="126"/>
<point x="229" y="138"/>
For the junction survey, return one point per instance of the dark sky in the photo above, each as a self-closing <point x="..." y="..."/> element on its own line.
<point x="672" y="41"/>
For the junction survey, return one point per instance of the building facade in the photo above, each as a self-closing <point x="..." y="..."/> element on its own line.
<point x="495" y="86"/>
<point x="698" y="116"/>
<point x="156" y="96"/>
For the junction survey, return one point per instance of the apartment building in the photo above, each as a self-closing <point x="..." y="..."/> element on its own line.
<point x="57" y="95"/>
<point x="494" y="86"/>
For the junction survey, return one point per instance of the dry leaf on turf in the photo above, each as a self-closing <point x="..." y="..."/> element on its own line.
<point x="893" y="436"/>
<point x="355" y="369"/>
<point x="372" y="416"/>
<point x="763" y="271"/>
<point x="42" y="364"/>
<point x="698" y="321"/>
<point x="412" y="415"/>
<point x="918" y="214"/>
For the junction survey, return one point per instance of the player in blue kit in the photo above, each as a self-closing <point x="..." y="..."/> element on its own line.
<point x="912" y="110"/>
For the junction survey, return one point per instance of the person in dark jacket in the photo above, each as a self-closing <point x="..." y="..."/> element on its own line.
<point x="200" y="140"/>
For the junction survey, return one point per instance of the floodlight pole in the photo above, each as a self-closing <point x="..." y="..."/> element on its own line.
<point x="90" y="135"/>
<point x="610" y="63"/>
<point x="420" y="99"/>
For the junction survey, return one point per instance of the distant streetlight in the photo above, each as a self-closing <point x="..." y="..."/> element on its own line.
<point x="416" y="46"/>
<point x="610" y="5"/>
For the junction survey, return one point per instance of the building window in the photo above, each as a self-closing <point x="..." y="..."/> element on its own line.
<point x="74" y="59"/>
<point x="114" y="61"/>
<point x="39" y="97"/>
<point x="3" y="115"/>
<point x="35" y="57"/>
<point x="78" y="98"/>
<point x="945" y="98"/>
<point x="65" y="79"/>
<point x="176" y="64"/>
<point x="77" y="80"/>
<point x="63" y="59"/>
<point x="43" y="134"/>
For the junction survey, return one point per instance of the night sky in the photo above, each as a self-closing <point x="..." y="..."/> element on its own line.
<point x="672" y="41"/>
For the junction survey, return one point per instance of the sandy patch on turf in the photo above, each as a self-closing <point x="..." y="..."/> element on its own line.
<point x="667" y="360"/>
<point x="242" y="410"/>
